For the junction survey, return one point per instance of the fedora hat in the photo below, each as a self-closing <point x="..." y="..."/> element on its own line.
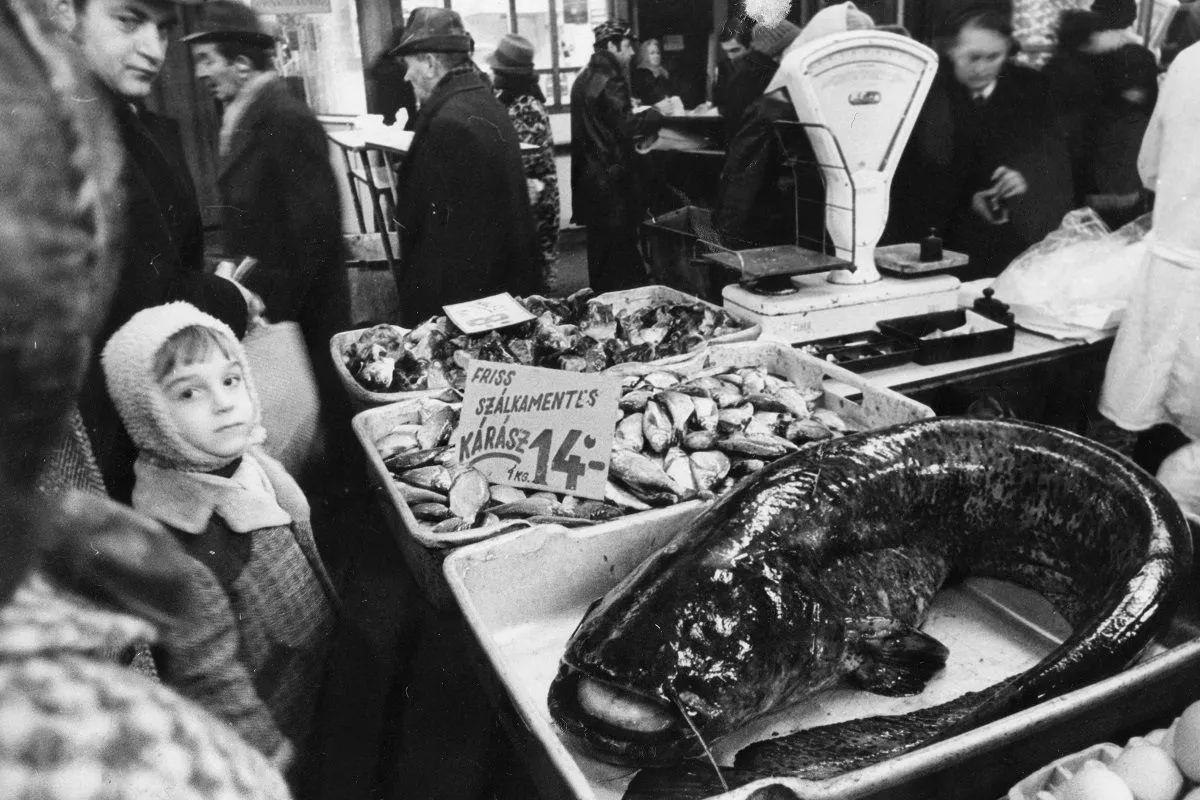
<point x="229" y="21"/>
<point x="433" y="30"/>
<point x="513" y="56"/>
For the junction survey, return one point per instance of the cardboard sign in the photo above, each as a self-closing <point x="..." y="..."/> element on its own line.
<point x="487" y="314"/>
<point x="538" y="428"/>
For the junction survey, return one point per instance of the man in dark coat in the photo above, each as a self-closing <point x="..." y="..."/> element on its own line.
<point x="279" y="197"/>
<point x="754" y="71"/>
<point x="123" y="43"/>
<point x="604" y="185"/>
<point x="466" y="227"/>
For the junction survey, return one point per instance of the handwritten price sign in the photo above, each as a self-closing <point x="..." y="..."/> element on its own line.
<point x="487" y="313"/>
<point x="538" y="428"/>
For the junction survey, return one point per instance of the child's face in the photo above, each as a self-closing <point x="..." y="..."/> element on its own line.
<point x="209" y="403"/>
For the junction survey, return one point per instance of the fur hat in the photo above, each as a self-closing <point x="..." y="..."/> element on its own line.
<point x="611" y="31"/>
<point x="433" y="30"/>
<point x="230" y="21"/>
<point x="773" y="39"/>
<point x="513" y="56"/>
<point x="128" y="361"/>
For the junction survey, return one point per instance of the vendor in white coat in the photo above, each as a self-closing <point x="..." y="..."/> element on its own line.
<point x="1152" y="382"/>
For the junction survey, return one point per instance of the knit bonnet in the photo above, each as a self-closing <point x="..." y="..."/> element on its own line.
<point x="128" y="361"/>
<point x="773" y="39"/>
<point x="840" y="18"/>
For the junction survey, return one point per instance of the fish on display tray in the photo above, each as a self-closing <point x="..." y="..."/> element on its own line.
<point x="819" y="573"/>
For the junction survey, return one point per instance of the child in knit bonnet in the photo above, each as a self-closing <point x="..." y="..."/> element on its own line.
<point x="180" y="380"/>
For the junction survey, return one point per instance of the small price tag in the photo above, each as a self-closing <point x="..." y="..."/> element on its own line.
<point x="487" y="313"/>
<point x="538" y="428"/>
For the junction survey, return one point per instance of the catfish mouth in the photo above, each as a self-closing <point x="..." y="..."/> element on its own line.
<point x="616" y="724"/>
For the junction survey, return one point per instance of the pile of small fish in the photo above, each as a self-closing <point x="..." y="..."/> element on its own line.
<point x="685" y="436"/>
<point x="677" y="438"/>
<point x="577" y="333"/>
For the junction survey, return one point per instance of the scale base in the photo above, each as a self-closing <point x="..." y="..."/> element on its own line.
<point x="820" y="309"/>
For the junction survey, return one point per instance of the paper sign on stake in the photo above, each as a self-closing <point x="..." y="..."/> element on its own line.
<point x="487" y="313"/>
<point x="538" y="428"/>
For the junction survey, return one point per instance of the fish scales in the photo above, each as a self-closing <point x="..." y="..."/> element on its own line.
<point x="762" y="600"/>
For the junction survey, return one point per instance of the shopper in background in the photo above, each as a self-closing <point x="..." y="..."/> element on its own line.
<point x="183" y="386"/>
<point x="1152" y="381"/>
<point x="81" y="578"/>
<point x="606" y="196"/>
<point x="987" y="165"/>
<point x="279" y="206"/>
<point x="124" y="44"/>
<point x="651" y="82"/>
<point x="517" y="88"/>
<point x="758" y="192"/>
<point x="754" y="71"/>
<point x="388" y="93"/>
<point x="466" y="227"/>
<point x="734" y="43"/>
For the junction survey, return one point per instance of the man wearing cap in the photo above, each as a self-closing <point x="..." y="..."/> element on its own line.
<point x="124" y="45"/>
<point x="466" y="227"/>
<point x="604" y="185"/>
<point x="279" y="197"/>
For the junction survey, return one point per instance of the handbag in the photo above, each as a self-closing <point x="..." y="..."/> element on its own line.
<point x="287" y="391"/>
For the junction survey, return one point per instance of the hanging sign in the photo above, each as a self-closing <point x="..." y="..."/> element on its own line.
<point x="487" y="313"/>
<point x="538" y="428"/>
<point x="293" y="6"/>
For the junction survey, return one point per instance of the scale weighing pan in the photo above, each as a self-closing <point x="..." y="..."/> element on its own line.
<point x="768" y="262"/>
<point x="859" y="93"/>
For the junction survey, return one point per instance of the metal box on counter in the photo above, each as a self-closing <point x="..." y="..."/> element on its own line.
<point x="523" y="594"/>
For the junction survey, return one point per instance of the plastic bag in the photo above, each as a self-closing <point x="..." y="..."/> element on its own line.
<point x="1076" y="283"/>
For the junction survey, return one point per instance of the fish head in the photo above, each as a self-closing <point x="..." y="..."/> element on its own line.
<point x="659" y="671"/>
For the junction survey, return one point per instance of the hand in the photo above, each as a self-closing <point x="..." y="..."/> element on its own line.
<point x="1008" y="183"/>
<point x="988" y="205"/>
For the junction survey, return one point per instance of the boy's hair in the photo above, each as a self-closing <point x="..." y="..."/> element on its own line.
<point x="189" y="345"/>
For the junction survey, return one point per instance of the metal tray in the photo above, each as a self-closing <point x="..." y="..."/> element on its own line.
<point x="523" y="594"/>
<point x="862" y="351"/>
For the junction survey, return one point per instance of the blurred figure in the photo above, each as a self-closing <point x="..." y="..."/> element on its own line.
<point x="388" y="92"/>
<point x="279" y="201"/>
<point x="1152" y="381"/>
<point x="754" y="71"/>
<point x="81" y="579"/>
<point x="733" y="42"/>
<point x="517" y="88"/>
<point x="604" y="186"/>
<point x="124" y="45"/>
<point x="467" y="230"/>
<point x="650" y="81"/>
<point x="987" y="165"/>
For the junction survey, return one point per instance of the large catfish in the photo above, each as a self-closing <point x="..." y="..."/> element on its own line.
<point x="823" y="565"/>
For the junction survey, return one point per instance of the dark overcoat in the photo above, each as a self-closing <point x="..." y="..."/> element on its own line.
<point x="280" y="205"/>
<point x="466" y="227"/>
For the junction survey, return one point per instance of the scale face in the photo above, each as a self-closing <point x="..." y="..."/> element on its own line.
<point x="865" y="88"/>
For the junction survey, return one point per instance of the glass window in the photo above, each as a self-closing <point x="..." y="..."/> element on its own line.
<point x="323" y="55"/>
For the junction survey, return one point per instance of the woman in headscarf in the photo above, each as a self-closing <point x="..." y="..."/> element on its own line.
<point x="517" y="88"/>
<point x="650" y="81"/>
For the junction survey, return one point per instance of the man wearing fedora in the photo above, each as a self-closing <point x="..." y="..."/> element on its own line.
<point x="279" y="198"/>
<point x="124" y="46"/>
<point x="604" y="185"/>
<point x="466" y="227"/>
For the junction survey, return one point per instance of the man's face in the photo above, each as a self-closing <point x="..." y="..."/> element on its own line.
<point x="421" y="74"/>
<point x="624" y="51"/>
<point x="978" y="56"/>
<point x="733" y="49"/>
<point x="223" y="78"/>
<point x="125" y="42"/>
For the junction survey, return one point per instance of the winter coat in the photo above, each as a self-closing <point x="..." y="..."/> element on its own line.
<point x="650" y="88"/>
<point x="532" y="123"/>
<point x="952" y="154"/>
<point x="163" y="260"/>
<point x="604" y="185"/>
<point x="467" y="230"/>
<point x="747" y="80"/>
<point x="279" y="204"/>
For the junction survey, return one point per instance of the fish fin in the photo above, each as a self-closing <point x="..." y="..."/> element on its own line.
<point x="897" y="659"/>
